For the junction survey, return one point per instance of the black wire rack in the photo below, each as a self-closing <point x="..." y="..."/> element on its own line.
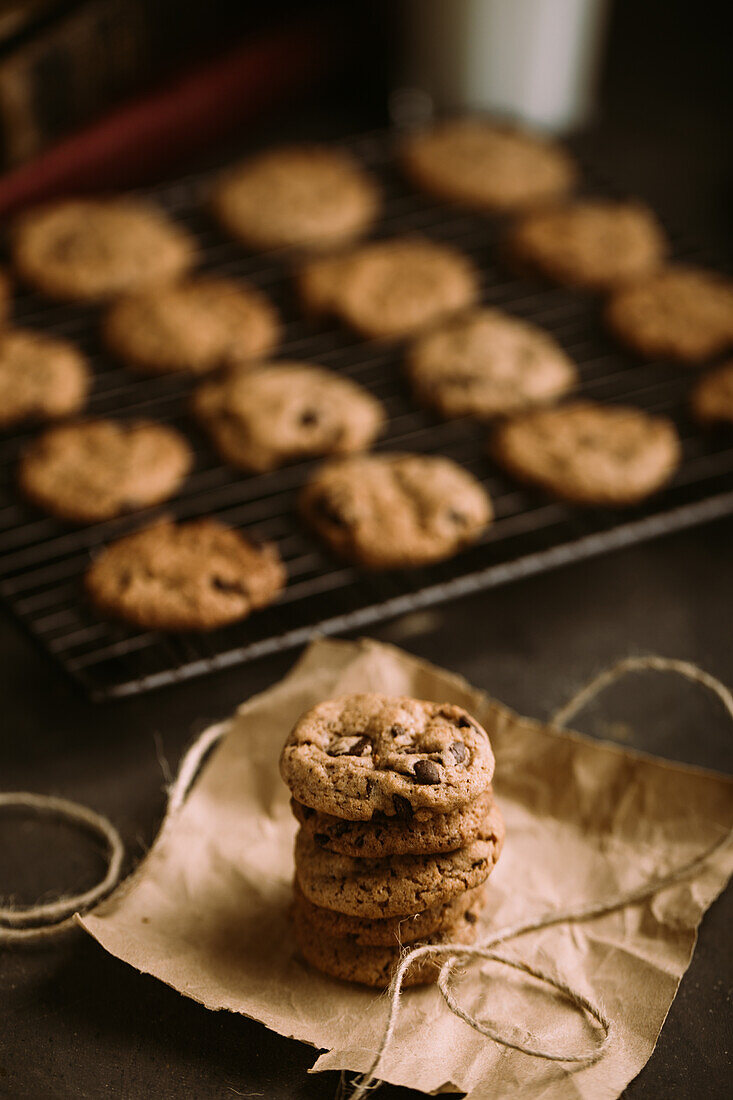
<point x="42" y="562"/>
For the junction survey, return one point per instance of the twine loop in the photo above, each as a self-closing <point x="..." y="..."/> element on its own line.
<point x="32" y="923"/>
<point x="35" y="922"/>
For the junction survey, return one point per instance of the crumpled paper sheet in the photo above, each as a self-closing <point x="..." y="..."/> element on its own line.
<point x="206" y="911"/>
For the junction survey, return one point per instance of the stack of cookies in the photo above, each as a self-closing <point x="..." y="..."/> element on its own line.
<point x="398" y="832"/>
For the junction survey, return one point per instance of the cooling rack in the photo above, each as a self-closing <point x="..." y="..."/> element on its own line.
<point x="42" y="561"/>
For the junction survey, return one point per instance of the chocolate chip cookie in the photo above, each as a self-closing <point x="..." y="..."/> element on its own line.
<point x="682" y="312"/>
<point x="188" y="576"/>
<point x="711" y="400"/>
<point x="597" y="244"/>
<point x="394" y="511"/>
<point x="423" y="833"/>
<point x="86" y="472"/>
<point x="482" y="165"/>
<point x="372" y="966"/>
<point x="360" y="755"/>
<point x="392" y="931"/>
<point x="264" y="417"/>
<point x="88" y="249"/>
<point x="486" y="363"/>
<point x="588" y="453"/>
<point x="196" y="325"/>
<point x="392" y="288"/>
<point x="41" y="377"/>
<point x="396" y="885"/>
<point x="307" y="196"/>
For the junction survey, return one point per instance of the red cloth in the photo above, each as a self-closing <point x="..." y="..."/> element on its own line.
<point x="160" y="129"/>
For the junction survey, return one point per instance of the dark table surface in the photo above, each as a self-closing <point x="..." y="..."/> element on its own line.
<point x="78" y="1023"/>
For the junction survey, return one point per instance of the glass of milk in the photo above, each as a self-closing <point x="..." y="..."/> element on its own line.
<point x="532" y="61"/>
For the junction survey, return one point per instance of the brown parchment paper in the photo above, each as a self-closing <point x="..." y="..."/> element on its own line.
<point x="206" y="911"/>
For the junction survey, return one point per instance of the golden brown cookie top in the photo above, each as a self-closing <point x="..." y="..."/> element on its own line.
<point x="398" y="286"/>
<point x="89" y="249"/>
<point x="681" y="311"/>
<point x="392" y="511"/>
<point x="188" y="576"/>
<point x="94" y="470"/>
<point x="41" y="377"/>
<point x="309" y="196"/>
<point x="263" y="417"/>
<point x="588" y="453"/>
<point x="361" y="754"/>
<point x="480" y="164"/>
<point x="592" y="243"/>
<point x="485" y="363"/>
<point x="196" y="325"/>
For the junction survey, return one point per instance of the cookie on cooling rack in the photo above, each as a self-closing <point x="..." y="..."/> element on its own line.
<point x="308" y="196"/>
<point x="596" y="244"/>
<point x="485" y="364"/>
<point x="588" y="453"/>
<point x="89" y="249"/>
<point x="196" y="325"/>
<point x="681" y="311"/>
<point x="711" y="400"/>
<point x="95" y="470"/>
<point x="393" y="511"/>
<point x="262" y="417"/>
<point x="391" y="288"/>
<point x="480" y="164"/>
<point x="41" y="377"/>
<point x="188" y="576"/>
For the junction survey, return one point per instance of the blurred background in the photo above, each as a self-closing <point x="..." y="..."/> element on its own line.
<point x="116" y="92"/>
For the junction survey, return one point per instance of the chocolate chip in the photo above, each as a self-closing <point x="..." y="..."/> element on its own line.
<point x="470" y="917"/>
<point x="397" y="731"/>
<point x="330" y="512"/>
<point x="464" y="723"/>
<point x="458" y="751"/>
<point x="425" y="771"/>
<point x="402" y="807"/>
<point x="309" y="417"/>
<point x="360" y="747"/>
<point x="228" y="586"/>
<point x="350" y="746"/>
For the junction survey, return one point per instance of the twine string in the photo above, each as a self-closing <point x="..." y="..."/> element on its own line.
<point x="640" y="664"/>
<point x="454" y="955"/>
<point x="32" y="923"/>
<point x="56" y="917"/>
